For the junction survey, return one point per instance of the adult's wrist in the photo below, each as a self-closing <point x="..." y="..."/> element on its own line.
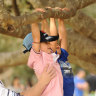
<point x="42" y="84"/>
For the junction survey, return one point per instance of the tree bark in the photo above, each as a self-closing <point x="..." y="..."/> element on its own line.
<point x="88" y="66"/>
<point x="12" y="58"/>
<point x="15" y="8"/>
<point x="80" y="22"/>
<point x="83" y="24"/>
<point x="20" y="32"/>
<point x="82" y="47"/>
<point x="18" y="21"/>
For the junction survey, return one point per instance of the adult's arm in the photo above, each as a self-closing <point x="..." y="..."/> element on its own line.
<point x="47" y="75"/>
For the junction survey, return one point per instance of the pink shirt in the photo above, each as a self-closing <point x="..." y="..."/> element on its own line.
<point x="38" y="62"/>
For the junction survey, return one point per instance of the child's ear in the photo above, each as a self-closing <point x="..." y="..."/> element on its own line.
<point x="58" y="49"/>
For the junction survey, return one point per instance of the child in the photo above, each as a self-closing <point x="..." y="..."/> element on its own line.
<point x="68" y="81"/>
<point x="42" y="54"/>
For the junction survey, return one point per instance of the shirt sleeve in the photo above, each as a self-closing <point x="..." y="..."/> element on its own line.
<point x="34" y="56"/>
<point x="64" y="55"/>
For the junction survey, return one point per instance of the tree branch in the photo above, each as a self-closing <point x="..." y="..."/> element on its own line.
<point x="80" y="22"/>
<point x="85" y="3"/>
<point x="83" y="24"/>
<point x="18" y="21"/>
<point x="20" y="32"/>
<point x="12" y="58"/>
<point x="15" y="7"/>
<point x="85" y="50"/>
<point x="90" y="67"/>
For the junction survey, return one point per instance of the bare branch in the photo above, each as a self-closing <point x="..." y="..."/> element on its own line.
<point x="90" y="67"/>
<point x="20" y="32"/>
<point x="12" y="58"/>
<point x="85" y="3"/>
<point x="83" y="24"/>
<point x="15" y="7"/>
<point x="18" y="21"/>
<point x="85" y="50"/>
<point x="75" y="43"/>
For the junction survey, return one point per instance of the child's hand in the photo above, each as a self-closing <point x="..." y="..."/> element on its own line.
<point x="58" y="8"/>
<point x="48" y="8"/>
<point x="66" y="9"/>
<point x="47" y="75"/>
<point x="40" y="10"/>
<point x="62" y="8"/>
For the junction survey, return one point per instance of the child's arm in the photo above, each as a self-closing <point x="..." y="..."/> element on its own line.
<point x="62" y="34"/>
<point x="53" y="32"/>
<point x="45" y="27"/>
<point x="36" y="37"/>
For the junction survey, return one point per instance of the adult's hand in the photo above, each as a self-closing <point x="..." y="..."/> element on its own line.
<point x="47" y="75"/>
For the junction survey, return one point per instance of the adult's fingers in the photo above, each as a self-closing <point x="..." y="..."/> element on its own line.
<point x="58" y="8"/>
<point x="40" y="10"/>
<point x="51" y="71"/>
<point x="66" y="9"/>
<point x="53" y="75"/>
<point x="46" y="68"/>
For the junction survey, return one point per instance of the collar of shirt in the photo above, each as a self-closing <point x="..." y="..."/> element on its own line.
<point x="55" y="56"/>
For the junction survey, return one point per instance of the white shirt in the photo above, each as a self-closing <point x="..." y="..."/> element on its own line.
<point x="6" y="92"/>
<point x="55" y="56"/>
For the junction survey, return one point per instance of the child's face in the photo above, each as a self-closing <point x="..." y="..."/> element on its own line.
<point x="46" y="47"/>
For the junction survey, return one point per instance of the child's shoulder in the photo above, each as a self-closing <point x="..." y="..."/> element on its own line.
<point x="34" y="52"/>
<point x="63" y="51"/>
<point x="63" y="56"/>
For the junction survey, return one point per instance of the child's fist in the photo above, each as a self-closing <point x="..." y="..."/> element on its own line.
<point x="40" y="10"/>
